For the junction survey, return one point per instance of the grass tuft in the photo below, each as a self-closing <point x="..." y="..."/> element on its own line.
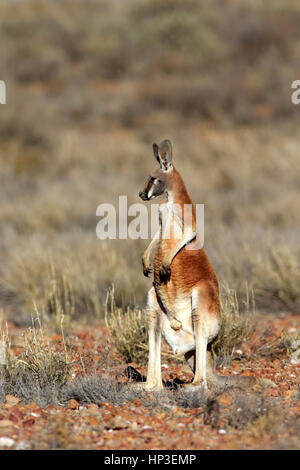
<point x="237" y="325"/>
<point x="130" y="333"/>
<point x="39" y="372"/>
<point x="128" y="329"/>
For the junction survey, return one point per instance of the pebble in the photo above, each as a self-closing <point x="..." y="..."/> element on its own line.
<point x="6" y="442"/>
<point x="23" y="445"/>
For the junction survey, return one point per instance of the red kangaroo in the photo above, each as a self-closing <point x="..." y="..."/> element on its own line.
<point x="183" y="305"/>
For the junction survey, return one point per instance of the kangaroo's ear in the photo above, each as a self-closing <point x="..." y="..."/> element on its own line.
<point x="165" y="155"/>
<point x="155" y="151"/>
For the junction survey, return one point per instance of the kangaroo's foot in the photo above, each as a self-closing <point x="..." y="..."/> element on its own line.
<point x="198" y="390"/>
<point x="200" y="386"/>
<point x="147" y="386"/>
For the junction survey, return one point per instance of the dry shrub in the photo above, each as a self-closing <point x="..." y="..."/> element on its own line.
<point x="292" y="345"/>
<point x="128" y="329"/>
<point x="237" y="325"/>
<point x="291" y="440"/>
<point x="289" y="344"/>
<point x="277" y="276"/>
<point x="99" y="388"/>
<point x="270" y="423"/>
<point x="59" y="301"/>
<point x="39" y="372"/>
<point x="130" y="332"/>
<point x="253" y="411"/>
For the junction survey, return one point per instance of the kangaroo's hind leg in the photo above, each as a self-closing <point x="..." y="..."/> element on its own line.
<point x="212" y="378"/>
<point x="205" y="316"/>
<point x="154" y="319"/>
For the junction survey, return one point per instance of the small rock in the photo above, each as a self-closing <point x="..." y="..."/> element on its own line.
<point x="11" y="400"/>
<point x="4" y="423"/>
<point x="23" y="445"/>
<point x="222" y="431"/>
<point x="146" y="428"/>
<point x="6" y="442"/>
<point x="73" y="404"/>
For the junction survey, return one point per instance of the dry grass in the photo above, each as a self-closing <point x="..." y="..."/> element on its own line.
<point x="267" y="424"/>
<point x="286" y="345"/>
<point x="277" y="277"/>
<point x="292" y="346"/>
<point x="237" y="325"/>
<point x="39" y="372"/>
<point x="130" y="332"/>
<point x="89" y="90"/>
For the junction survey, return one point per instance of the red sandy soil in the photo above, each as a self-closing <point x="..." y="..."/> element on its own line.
<point x="133" y="426"/>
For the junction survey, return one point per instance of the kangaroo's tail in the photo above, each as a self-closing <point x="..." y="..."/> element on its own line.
<point x="215" y="380"/>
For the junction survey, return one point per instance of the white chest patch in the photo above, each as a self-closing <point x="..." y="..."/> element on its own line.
<point x="171" y="220"/>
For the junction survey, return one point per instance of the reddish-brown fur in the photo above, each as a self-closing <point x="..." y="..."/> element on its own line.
<point x="189" y="267"/>
<point x="186" y="288"/>
<point x="183" y="305"/>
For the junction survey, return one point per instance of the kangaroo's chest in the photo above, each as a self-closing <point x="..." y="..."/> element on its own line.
<point x="171" y="222"/>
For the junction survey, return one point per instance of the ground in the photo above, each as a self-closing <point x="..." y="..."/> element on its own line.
<point x="132" y="425"/>
<point x="90" y="87"/>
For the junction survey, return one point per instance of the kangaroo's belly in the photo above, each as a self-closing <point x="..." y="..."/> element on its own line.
<point x="175" y="295"/>
<point x="181" y="341"/>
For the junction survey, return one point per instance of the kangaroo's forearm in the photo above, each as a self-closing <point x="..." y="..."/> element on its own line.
<point x="189" y="236"/>
<point x="151" y="246"/>
<point x="148" y="252"/>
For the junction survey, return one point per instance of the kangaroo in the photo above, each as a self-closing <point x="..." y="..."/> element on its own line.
<point x="183" y="305"/>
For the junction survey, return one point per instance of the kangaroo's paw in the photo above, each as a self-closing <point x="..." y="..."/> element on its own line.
<point x="175" y="324"/>
<point x="165" y="271"/>
<point x="147" y="270"/>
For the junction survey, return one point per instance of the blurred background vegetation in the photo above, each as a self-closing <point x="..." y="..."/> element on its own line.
<point x="90" y="86"/>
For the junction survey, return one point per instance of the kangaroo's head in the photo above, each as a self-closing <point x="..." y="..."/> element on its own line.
<point x="158" y="181"/>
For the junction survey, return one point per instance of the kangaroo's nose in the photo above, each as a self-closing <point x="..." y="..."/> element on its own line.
<point x="143" y="195"/>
